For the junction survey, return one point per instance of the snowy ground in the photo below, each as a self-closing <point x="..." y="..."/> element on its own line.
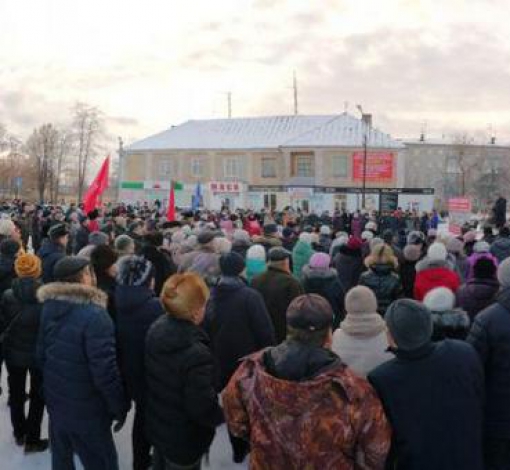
<point x="12" y="457"/>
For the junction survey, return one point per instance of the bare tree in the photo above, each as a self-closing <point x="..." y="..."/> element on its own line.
<point x="88" y="128"/>
<point x="62" y="150"/>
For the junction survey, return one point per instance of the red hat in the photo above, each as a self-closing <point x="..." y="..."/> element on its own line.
<point x="354" y="243"/>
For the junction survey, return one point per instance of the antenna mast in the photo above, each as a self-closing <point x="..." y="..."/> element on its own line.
<point x="295" y="94"/>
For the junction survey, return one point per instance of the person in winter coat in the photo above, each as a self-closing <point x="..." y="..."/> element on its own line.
<point x="490" y="335"/>
<point x="241" y="242"/>
<point x="255" y="262"/>
<point x="301" y="254"/>
<point x="289" y="238"/>
<point x="411" y="255"/>
<point x="238" y="324"/>
<point x="361" y="340"/>
<point x="381" y="276"/>
<point x="434" y="271"/>
<point x="449" y="322"/>
<point x="500" y="248"/>
<point x="469" y="242"/>
<point x="137" y="309"/>
<point x="456" y="257"/>
<point x="81" y="239"/>
<point x="270" y="239"/>
<point x="349" y="263"/>
<point x="278" y="288"/>
<point x="319" y="278"/>
<point x="103" y="260"/>
<point x="52" y="250"/>
<point x="432" y="394"/>
<point x="499" y="212"/>
<point x="124" y="245"/>
<point x="161" y="259"/>
<point x="95" y="239"/>
<point x="20" y="316"/>
<point x="81" y="381"/>
<point x="203" y="260"/>
<point x="479" y="292"/>
<point x="252" y="226"/>
<point x="340" y="240"/>
<point x="182" y="405"/>
<point x="488" y="235"/>
<point x="481" y="250"/>
<point x="300" y="407"/>
<point x="9" y="250"/>
<point x="325" y="239"/>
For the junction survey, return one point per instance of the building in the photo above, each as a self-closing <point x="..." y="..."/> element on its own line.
<point x="311" y="162"/>
<point x="458" y="167"/>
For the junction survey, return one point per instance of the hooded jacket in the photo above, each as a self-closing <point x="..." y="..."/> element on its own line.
<point x="182" y="406"/>
<point x="501" y="248"/>
<point x="384" y="283"/>
<point x="476" y="295"/>
<point x="301" y="255"/>
<point x="432" y="274"/>
<point x="76" y="353"/>
<point x="50" y="253"/>
<point x="238" y="324"/>
<point x="349" y="266"/>
<point x="300" y="407"/>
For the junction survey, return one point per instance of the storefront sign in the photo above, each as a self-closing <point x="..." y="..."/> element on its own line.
<point x="459" y="204"/>
<point x="224" y="187"/>
<point x="157" y="185"/>
<point x="388" y="202"/>
<point x="266" y="189"/>
<point x="300" y="193"/>
<point x="379" y="166"/>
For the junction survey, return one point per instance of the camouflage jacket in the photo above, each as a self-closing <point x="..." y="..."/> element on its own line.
<point x="334" y="421"/>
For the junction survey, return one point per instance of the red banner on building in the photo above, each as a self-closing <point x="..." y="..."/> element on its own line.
<point x="379" y="166"/>
<point x="459" y="204"/>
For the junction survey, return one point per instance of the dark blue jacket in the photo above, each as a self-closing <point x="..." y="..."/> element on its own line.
<point x="433" y="398"/>
<point x="238" y="324"/>
<point x="490" y="335"/>
<point x="137" y="309"/>
<point x="50" y="253"/>
<point x="76" y="353"/>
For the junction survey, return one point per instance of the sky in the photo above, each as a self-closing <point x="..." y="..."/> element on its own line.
<point x="443" y="66"/>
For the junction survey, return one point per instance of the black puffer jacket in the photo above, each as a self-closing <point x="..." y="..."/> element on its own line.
<point x="490" y="335"/>
<point x="21" y="312"/>
<point x="453" y="324"/>
<point x="7" y="273"/>
<point x="385" y="284"/>
<point x="501" y="248"/>
<point x="349" y="266"/>
<point x="182" y="406"/>
<point x="50" y="253"/>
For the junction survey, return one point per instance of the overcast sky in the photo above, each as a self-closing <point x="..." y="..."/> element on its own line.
<point x="152" y="64"/>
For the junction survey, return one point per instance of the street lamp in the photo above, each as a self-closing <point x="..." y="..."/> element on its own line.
<point x="367" y="122"/>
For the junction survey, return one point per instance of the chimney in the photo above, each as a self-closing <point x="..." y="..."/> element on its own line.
<point x="367" y="119"/>
<point x="493" y="140"/>
<point x="422" y="137"/>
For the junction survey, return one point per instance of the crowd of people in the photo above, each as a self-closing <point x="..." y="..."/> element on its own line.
<point x="342" y="341"/>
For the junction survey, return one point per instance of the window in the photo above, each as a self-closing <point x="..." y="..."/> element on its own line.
<point x="452" y="165"/>
<point x="269" y="168"/>
<point x="304" y="166"/>
<point x="197" y="167"/>
<point x="340" y="166"/>
<point x="165" y="168"/>
<point x="231" y="167"/>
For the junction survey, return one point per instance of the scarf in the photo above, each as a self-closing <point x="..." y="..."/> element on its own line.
<point x="363" y="325"/>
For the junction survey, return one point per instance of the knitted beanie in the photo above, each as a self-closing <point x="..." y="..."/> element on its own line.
<point x="134" y="271"/>
<point x="362" y="319"/>
<point x="440" y="299"/>
<point x="320" y="261"/>
<point x="98" y="238"/>
<point x="231" y="264"/>
<point x="437" y="252"/>
<point x="102" y="258"/>
<point x="360" y="299"/>
<point x="256" y="252"/>
<point x="455" y="246"/>
<point x="412" y="252"/>
<point x="28" y="265"/>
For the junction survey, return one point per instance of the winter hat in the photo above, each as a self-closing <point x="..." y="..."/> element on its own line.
<point x="470" y="236"/>
<point x="432" y="233"/>
<point x="103" y="258"/>
<point x="387" y="236"/>
<point x="7" y="227"/>
<point x="287" y="232"/>
<point x="205" y="236"/>
<point x="455" y="246"/>
<point x="354" y="243"/>
<point x="305" y="237"/>
<point x="98" y="238"/>
<point x="57" y="231"/>
<point x="440" y="299"/>
<point x="362" y="319"/>
<point x="310" y="312"/>
<point x="437" y="252"/>
<point x="222" y="245"/>
<point x="270" y="229"/>
<point x="69" y="266"/>
<point x="256" y="252"/>
<point x="484" y="268"/>
<point x="325" y="230"/>
<point x="410" y="324"/>
<point x="342" y="235"/>
<point x="415" y="238"/>
<point x="9" y="247"/>
<point x="504" y="273"/>
<point x="278" y="254"/>
<point x="360" y="299"/>
<point x="320" y="261"/>
<point x="412" y="252"/>
<point x="134" y="271"/>
<point x="374" y="242"/>
<point x="367" y="235"/>
<point x="124" y="245"/>
<point x="231" y="264"/>
<point x="28" y="265"/>
<point x="371" y="226"/>
<point x="481" y="247"/>
<point x="240" y="235"/>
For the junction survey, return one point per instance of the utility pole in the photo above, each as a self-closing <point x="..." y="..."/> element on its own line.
<point x="366" y="119"/>
<point x="295" y="94"/>
<point x="229" y="104"/>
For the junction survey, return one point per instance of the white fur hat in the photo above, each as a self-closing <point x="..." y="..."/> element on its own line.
<point x="437" y="252"/>
<point x="256" y="252"/>
<point x="367" y="235"/>
<point x="440" y="299"/>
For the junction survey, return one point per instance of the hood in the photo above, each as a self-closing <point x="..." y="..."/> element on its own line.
<point x="482" y="289"/>
<point x="382" y="269"/>
<point x="322" y="275"/>
<point x="79" y="294"/>
<point x="227" y="285"/>
<point x="131" y="298"/>
<point x="295" y="362"/>
<point x="25" y="290"/>
<point x="457" y="319"/>
<point x="171" y="335"/>
<point x="427" y="263"/>
<point x="49" y="248"/>
<point x="255" y="265"/>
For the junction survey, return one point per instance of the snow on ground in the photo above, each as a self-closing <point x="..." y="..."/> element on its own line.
<point x="13" y="458"/>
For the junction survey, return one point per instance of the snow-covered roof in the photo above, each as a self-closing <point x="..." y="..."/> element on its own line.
<point x="341" y="130"/>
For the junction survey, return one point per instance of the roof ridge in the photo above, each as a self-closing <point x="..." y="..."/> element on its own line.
<point x="320" y="126"/>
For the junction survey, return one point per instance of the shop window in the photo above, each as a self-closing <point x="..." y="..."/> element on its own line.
<point x="269" y="168"/>
<point x="270" y="201"/>
<point x="340" y="166"/>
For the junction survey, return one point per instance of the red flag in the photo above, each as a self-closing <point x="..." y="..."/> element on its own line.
<point x="170" y="214"/>
<point x="97" y="187"/>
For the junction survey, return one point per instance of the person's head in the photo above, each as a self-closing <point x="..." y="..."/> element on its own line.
<point x="325" y="230"/>
<point x="74" y="270"/>
<point x="222" y="245"/>
<point x="9" y="248"/>
<point x="440" y="299"/>
<point x="241" y="236"/>
<point x="124" y="245"/>
<point x="184" y="297"/>
<point x="232" y="264"/>
<point x="59" y="234"/>
<point x="137" y="228"/>
<point x="437" y="252"/>
<point x="310" y="321"/>
<point x="8" y="229"/>
<point x="360" y="300"/>
<point x="455" y="246"/>
<point x="409" y="325"/>
<point x="487" y="231"/>
<point x="367" y="236"/>
<point x="416" y="238"/>
<point x="103" y="259"/>
<point x="470" y="236"/>
<point x="256" y="252"/>
<point x="484" y="268"/>
<point x="388" y="237"/>
<point x="305" y="237"/>
<point x="270" y="230"/>
<point x="279" y="257"/>
<point x="135" y="271"/>
<point x="28" y="265"/>
<point x="320" y="262"/>
<point x="98" y="238"/>
<point x="412" y="253"/>
<point x="206" y="237"/>
<point x="381" y="254"/>
<point x="481" y="247"/>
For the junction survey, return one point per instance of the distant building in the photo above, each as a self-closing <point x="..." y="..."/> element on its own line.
<point x="311" y="162"/>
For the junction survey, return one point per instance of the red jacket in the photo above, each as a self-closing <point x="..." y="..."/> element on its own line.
<point x="431" y="278"/>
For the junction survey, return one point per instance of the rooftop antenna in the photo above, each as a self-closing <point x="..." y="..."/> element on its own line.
<point x="423" y="131"/>
<point x="346" y="107"/>
<point x="229" y="104"/>
<point x="295" y="94"/>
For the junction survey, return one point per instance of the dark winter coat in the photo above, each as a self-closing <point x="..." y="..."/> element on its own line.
<point x="182" y="407"/>
<point x="327" y="285"/>
<point x="108" y="285"/>
<point x="490" y="335"/>
<point x="164" y="266"/>
<point x="433" y="398"/>
<point x="81" y="239"/>
<point x="238" y="324"/>
<point x="408" y="276"/>
<point x="384" y="283"/>
<point x="76" y="353"/>
<point x="278" y="289"/>
<point x="7" y="273"/>
<point x="240" y="247"/>
<point x="476" y="295"/>
<point x="137" y="310"/>
<point x="50" y="253"/>
<point x="21" y="313"/>
<point x="452" y="324"/>
<point x="499" y="211"/>
<point x="349" y="266"/>
<point x="501" y="248"/>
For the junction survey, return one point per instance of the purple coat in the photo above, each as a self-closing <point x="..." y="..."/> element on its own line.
<point x="471" y="261"/>
<point x="476" y="295"/>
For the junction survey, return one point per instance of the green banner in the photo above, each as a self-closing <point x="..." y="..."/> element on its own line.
<point x="131" y="185"/>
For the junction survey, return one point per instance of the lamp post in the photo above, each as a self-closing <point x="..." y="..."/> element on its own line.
<point x="367" y="123"/>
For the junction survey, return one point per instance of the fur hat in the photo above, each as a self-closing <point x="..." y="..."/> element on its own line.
<point x="437" y="252"/>
<point x="367" y="235"/>
<point x="325" y="230"/>
<point x="481" y="247"/>
<point x="102" y="258"/>
<point x="305" y="237"/>
<point x="124" y="244"/>
<point x="256" y="252"/>
<point x="320" y="261"/>
<point x="412" y="252"/>
<point x="134" y="271"/>
<point x="28" y="265"/>
<point x="455" y="246"/>
<point x="360" y="299"/>
<point x="231" y="264"/>
<point x="6" y="227"/>
<point x="440" y="299"/>
<point x="98" y="238"/>
<point x="415" y="238"/>
<point x="69" y="266"/>
<point x="241" y="236"/>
